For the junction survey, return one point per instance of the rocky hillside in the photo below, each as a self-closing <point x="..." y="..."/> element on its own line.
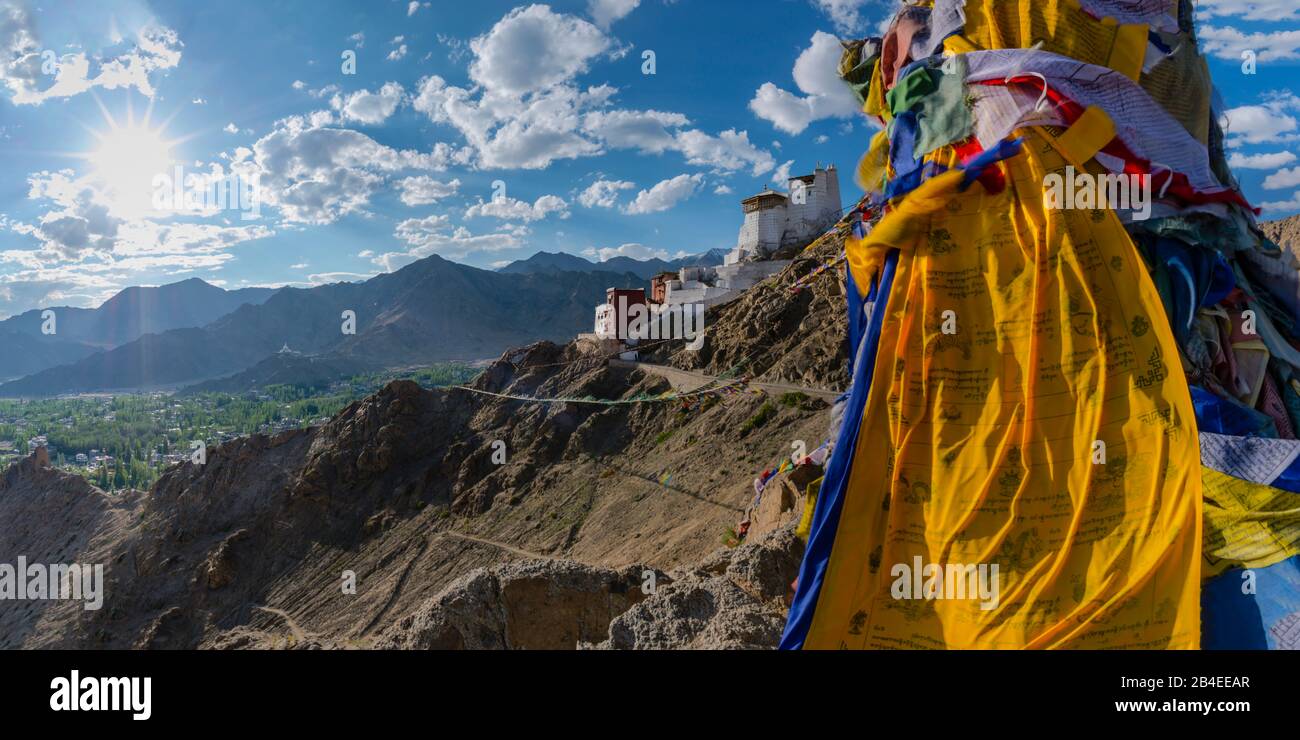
<point x="447" y="546"/>
<point x="52" y="517"/>
<point x="1285" y="232"/>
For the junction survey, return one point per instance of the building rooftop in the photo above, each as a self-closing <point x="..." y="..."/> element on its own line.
<point x="767" y="197"/>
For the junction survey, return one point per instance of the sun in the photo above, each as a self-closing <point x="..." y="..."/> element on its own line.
<point x="125" y="154"/>
<point x="126" y="161"/>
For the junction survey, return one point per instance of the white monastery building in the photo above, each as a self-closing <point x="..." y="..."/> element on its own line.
<point x="773" y="221"/>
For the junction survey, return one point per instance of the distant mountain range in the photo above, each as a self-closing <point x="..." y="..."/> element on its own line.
<point x="429" y="311"/>
<point x="644" y="269"/>
<point x="127" y="316"/>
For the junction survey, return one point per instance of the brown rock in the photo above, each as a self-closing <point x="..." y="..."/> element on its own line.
<point x="782" y="502"/>
<point x="536" y="604"/>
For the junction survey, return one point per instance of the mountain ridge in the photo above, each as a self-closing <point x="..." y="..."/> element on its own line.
<point x="645" y="269"/>
<point x="429" y="311"/>
<point x="128" y="315"/>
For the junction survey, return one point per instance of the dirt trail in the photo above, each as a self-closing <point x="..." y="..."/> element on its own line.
<point x="499" y="546"/>
<point x="298" y="634"/>
<point x="688" y="380"/>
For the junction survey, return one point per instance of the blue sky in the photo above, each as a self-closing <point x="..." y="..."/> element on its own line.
<point x="451" y="103"/>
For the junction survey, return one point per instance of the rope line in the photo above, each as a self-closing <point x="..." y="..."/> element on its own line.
<point x="708" y="388"/>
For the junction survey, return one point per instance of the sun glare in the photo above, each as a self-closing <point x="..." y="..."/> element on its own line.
<point x="125" y="160"/>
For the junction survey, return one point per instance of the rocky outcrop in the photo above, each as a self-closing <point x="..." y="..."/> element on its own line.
<point x="530" y="605"/>
<point x="735" y="600"/>
<point x="781" y="504"/>
<point x="50" y="517"/>
<point x="1284" y="232"/>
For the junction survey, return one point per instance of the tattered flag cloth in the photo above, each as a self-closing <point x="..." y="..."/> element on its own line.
<point x="1070" y="424"/>
<point x="1021" y="417"/>
<point x="1155" y="13"/>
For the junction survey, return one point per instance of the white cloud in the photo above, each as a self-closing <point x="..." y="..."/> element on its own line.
<point x="1250" y="10"/>
<point x="414" y="6"/>
<point x="650" y="132"/>
<point x="85" y="251"/>
<point x="368" y="107"/>
<point x="1283" y="179"/>
<point x="845" y="14"/>
<point x="156" y="49"/>
<point x="510" y="133"/>
<point x="606" y="12"/>
<point x="646" y="130"/>
<point x="634" y="251"/>
<point x="1260" y="124"/>
<point x="785" y="110"/>
<point x="329" y="278"/>
<point x="509" y="209"/>
<point x="782" y="173"/>
<point x="723" y="190"/>
<point x="603" y="193"/>
<point x="90" y="282"/>
<point x="81" y="221"/>
<point x="317" y="175"/>
<point x="37" y="286"/>
<point x="1283" y="205"/>
<point x="422" y="190"/>
<point x="397" y="54"/>
<point x="665" y="195"/>
<point x="729" y="151"/>
<point x="320" y="118"/>
<point x="825" y="95"/>
<point x="434" y="235"/>
<point x="533" y="48"/>
<point x="527" y="111"/>
<point x="1268" y="161"/>
<point x="231" y="128"/>
<point x="457" y="48"/>
<point x="168" y="240"/>
<point x="90" y="241"/>
<point x="1229" y="43"/>
<point x="299" y="84"/>
<point x="358" y="39"/>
